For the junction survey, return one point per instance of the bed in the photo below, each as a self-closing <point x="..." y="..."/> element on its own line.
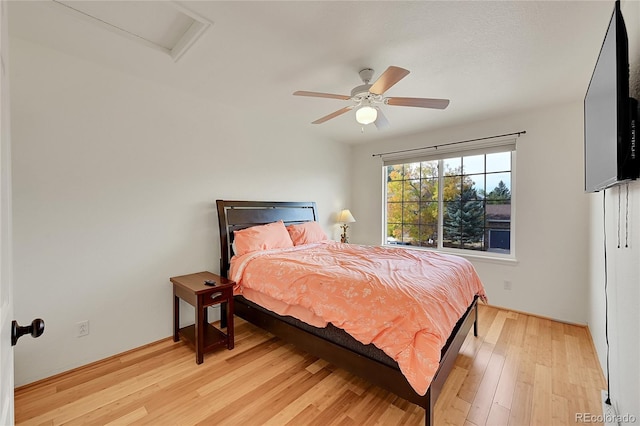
<point x="329" y="342"/>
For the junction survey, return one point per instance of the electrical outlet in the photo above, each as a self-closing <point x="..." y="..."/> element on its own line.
<point x="82" y="328"/>
<point x="507" y="285"/>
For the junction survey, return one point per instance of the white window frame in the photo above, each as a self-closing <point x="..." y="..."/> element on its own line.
<point x="440" y="155"/>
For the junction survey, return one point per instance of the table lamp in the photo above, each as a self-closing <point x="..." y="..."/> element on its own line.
<point x="345" y="217"/>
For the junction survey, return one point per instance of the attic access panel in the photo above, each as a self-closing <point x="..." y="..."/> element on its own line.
<point x="161" y="25"/>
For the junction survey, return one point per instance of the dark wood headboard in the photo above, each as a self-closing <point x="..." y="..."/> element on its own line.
<point x="234" y="215"/>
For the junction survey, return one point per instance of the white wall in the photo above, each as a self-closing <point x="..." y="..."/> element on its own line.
<point x="623" y="265"/>
<point x="623" y="291"/>
<point x="551" y="209"/>
<point x="114" y="182"/>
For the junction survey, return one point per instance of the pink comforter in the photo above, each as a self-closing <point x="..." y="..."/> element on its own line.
<point x="404" y="301"/>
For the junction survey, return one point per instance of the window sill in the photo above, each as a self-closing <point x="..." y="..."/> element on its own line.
<point x="511" y="261"/>
<point x="488" y="257"/>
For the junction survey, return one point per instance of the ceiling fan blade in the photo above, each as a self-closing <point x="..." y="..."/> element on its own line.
<point x="381" y="121"/>
<point x="332" y="115"/>
<point x="321" y="95"/>
<point x="388" y="78"/>
<point x="418" y="102"/>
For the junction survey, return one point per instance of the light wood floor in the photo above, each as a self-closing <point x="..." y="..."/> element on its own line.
<point x="520" y="370"/>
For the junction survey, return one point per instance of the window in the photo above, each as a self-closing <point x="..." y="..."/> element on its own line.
<point x="457" y="202"/>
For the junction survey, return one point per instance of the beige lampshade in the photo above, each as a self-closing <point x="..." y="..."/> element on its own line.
<point x="345" y="216"/>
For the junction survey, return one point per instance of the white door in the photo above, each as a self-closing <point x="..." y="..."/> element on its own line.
<point x="6" y="284"/>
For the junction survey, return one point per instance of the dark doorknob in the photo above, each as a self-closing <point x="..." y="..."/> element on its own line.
<point x="35" y="329"/>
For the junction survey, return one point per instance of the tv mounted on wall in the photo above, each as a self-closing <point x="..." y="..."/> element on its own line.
<point x="610" y="115"/>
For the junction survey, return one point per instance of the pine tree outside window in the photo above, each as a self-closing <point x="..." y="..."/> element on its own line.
<point x="456" y="202"/>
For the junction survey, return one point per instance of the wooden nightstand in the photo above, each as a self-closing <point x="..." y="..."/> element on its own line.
<point x="202" y="335"/>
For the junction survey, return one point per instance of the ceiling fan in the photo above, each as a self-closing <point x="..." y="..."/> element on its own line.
<point x="367" y="97"/>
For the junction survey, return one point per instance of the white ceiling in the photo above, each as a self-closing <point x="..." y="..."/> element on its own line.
<point x="488" y="57"/>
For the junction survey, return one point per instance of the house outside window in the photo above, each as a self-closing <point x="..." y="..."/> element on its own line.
<point x="453" y="201"/>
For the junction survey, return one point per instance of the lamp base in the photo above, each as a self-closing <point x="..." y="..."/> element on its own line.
<point x="343" y="236"/>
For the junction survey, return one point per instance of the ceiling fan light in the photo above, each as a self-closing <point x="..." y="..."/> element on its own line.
<point x="366" y="114"/>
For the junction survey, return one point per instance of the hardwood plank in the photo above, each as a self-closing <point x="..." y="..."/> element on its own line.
<point x="336" y="415"/>
<point x="508" y="378"/>
<point x="560" y="414"/>
<point x="307" y="399"/>
<point x="516" y="338"/>
<point x="370" y="405"/>
<point x="541" y="395"/>
<point x="521" y="408"/>
<point x="496" y="328"/>
<point x="474" y="377"/>
<point x="456" y="413"/>
<point x="468" y="351"/>
<point x="520" y="370"/>
<point x="498" y="415"/>
<point x="450" y="391"/>
<point x="544" y="355"/>
<point x="529" y="352"/>
<point x="305" y="417"/>
<point x="482" y="402"/>
<point x="128" y="418"/>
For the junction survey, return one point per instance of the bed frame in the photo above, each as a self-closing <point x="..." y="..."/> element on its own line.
<point x="235" y="215"/>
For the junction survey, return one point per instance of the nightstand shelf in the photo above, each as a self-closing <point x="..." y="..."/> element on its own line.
<point x="213" y="338"/>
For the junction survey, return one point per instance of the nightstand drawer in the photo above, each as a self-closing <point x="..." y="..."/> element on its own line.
<point x="216" y="297"/>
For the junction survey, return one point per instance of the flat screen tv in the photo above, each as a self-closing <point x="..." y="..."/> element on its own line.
<point x="610" y="114"/>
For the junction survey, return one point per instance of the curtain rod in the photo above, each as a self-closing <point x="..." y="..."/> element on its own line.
<point x="451" y="143"/>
